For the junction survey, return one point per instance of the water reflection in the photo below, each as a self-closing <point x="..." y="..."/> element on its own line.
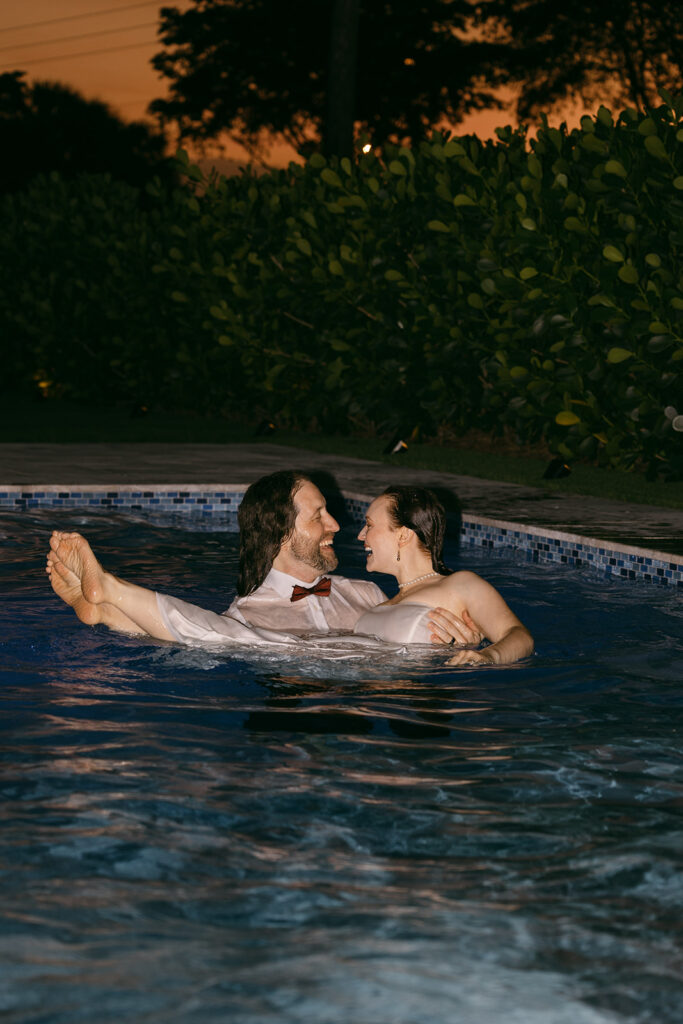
<point x="194" y="837"/>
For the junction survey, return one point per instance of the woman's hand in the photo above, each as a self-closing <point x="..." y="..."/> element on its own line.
<point x="448" y="628"/>
<point x="471" y="658"/>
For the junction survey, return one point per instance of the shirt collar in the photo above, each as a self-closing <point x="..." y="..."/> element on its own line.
<point x="282" y="582"/>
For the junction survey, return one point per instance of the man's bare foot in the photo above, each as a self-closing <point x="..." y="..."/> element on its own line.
<point x="73" y="551"/>
<point x="67" y="585"/>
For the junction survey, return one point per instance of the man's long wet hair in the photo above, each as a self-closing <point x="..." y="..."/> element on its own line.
<point x="266" y="518"/>
<point x="419" y="509"/>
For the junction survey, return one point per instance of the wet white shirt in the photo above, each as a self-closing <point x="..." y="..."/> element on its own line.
<point x="268" y="615"/>
<point x="270" y="605"/>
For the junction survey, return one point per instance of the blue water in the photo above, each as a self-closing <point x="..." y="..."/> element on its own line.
<point x="192" y="837"/>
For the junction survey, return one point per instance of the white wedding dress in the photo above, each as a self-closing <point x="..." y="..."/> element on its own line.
<point x="403" y="623"/>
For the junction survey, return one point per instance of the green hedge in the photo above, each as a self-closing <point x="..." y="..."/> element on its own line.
<point x="529" y="285"/>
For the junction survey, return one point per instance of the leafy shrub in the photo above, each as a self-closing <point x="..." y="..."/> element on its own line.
<point x="533" y="286"/>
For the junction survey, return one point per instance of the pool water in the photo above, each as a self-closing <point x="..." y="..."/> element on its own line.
<point x="192" y="837"/>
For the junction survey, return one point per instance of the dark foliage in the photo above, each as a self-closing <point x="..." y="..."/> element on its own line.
<point x="248" y="66"/>
<point x="48" y="127"/>
<point x="619" y="50"/>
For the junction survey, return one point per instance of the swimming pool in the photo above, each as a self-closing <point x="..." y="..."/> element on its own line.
<point x="198" y="836"/>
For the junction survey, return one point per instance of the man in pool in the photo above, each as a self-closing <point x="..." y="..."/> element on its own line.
<point x="286" y="547"/>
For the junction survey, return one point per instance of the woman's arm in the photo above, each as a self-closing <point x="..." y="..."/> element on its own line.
<point x="510" y="639"/>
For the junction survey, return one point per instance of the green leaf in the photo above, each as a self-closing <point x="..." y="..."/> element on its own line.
<point x="526" y="273"/>
<point x="605" y="117"/>
<point x="438" y="225"/>
<point x="618" y="355"/>
<point x="678" y="182"/>
<point x="657" y="327"/>
<point x="393" y="275"/>
<point x="463" y="200"/>
<point x="628" y="274"/>
<point x="179" y="297"/>
<point x="573" y="224"/>
<point x="224" y="340"/>
<point x="345" y="164"/>
<point x="647" y="127"/>
<point x="453" y="148"/>
<point x="677" y="302"/>
<point x="528" y="224"/>
<point x="475" y="300"/>
<point x="517" y="372"/>
<point x="331" y="177"/>
<point x="601" y="300"/>
<point x="567" y="418"/>
<point x="396" y="167"/>
<point x="304" y="246"/>
<point x="652" y="259"/>
<point x="611" y="253"/>
<point x="335" y="267"/>
<point x="660" y="342"/>
<point x="317" y="160"/>
<point x="655" y="147"/>
<point x="615" y="167"/>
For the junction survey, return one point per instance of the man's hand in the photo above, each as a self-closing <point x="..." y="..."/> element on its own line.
<point x="448" y="628"/>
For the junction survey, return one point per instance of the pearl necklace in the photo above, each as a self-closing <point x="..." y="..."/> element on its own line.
<point x="418" y="579"/>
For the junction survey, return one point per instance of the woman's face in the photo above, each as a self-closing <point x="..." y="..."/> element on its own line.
<point x="379" y="535"/>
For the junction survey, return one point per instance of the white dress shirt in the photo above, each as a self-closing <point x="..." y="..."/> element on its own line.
<point x="270" y="605"/>
<point x="268" y="615"/>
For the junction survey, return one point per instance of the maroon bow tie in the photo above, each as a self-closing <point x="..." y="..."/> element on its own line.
<point x="322" y="588"/>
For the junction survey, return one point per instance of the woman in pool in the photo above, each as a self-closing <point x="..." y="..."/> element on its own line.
<point x="403" y="536"/>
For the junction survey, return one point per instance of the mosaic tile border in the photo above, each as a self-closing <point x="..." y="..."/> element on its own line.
<point x="206" y="499"/>
<point x="540" y="543"/>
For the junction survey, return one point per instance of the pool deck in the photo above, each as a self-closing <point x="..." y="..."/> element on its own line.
<point x="66" y="465"/>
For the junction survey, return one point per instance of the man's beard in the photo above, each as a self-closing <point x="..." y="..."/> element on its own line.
<point x="310" y="553"/>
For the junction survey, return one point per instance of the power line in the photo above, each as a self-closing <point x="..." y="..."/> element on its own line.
<point x="78" y="17"/>
<point x="82" y="53"/>
<point x="82" y="35"/>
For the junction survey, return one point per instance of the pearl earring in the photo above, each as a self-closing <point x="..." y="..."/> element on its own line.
<point x="398" y="555"/>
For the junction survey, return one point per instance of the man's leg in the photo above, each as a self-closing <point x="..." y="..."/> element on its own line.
<point x="101" y="597"/>
<point x="67" y="585"/>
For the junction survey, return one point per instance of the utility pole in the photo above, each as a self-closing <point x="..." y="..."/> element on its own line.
<point x="341" y="78"/>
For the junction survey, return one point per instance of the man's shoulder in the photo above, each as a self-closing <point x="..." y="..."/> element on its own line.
<point x="361" y="588"/>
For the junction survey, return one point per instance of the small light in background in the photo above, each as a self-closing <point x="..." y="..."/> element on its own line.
<point x="367" y="148"/>
<point x="409" y="62"/>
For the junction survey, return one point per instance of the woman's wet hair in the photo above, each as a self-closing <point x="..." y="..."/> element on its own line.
<point x="266" y="518"/>
<point x="419" y="509"/>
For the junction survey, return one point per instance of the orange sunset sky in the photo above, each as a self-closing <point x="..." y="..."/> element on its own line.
<point x="103" y="49"/>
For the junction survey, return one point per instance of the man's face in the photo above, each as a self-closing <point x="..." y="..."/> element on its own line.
<point x="309" y="551"/>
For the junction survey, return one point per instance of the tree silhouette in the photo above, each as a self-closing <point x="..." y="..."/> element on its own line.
<point x="309" y="70"/>
<point x="615" y="51"/>
<point x="49" y="127"/>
